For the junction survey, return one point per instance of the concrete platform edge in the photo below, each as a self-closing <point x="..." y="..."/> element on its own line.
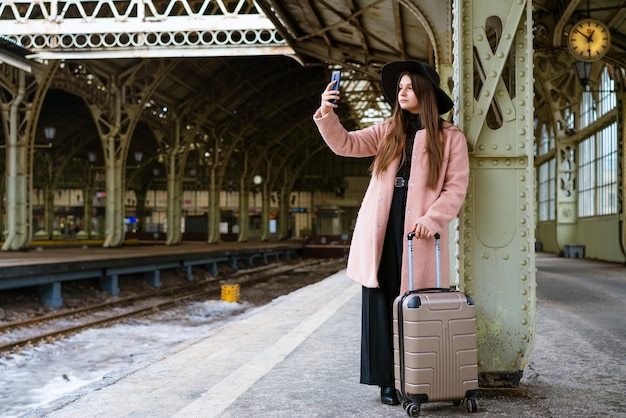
<point x="222" y="393"/>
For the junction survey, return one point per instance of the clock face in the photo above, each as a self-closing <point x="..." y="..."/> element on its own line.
<point x="589" y="40"/>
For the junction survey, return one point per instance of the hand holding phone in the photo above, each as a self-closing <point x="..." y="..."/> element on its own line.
<point x="336" y="76"/>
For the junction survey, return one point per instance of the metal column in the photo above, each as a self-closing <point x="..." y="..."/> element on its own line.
<point x="494" y="96"/>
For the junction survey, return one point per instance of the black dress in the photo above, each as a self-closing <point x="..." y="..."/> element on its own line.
<point x="377" y="303"/>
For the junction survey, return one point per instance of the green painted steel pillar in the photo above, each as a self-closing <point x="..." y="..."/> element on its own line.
<point x="19" y="120"/>
<point x="494" y="96"/>
<point x="114" y="146"/>
<point x="17" y="168"/>
<point x="175" y="168"/>
<point x="566" y="203"/>
<point x="116" y="114"/>
<point x="621" y="164"/>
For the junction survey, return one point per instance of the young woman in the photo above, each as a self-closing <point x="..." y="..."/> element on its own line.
<point x="419" y="179"/>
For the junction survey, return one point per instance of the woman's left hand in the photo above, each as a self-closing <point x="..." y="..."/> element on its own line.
<point x="421" y="231"/>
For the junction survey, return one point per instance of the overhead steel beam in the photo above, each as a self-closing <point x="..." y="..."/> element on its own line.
<point x="140" y="29"/>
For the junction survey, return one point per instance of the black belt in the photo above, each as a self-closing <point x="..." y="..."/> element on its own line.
<point x="401" y="182"/>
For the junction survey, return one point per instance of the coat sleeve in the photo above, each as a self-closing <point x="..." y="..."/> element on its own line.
<point x="360" y="143"/>
<point x="454" y="187"/>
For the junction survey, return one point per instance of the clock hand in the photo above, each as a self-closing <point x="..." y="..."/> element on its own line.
<point x="588" y="38"/>
<point x="591" y="35"/>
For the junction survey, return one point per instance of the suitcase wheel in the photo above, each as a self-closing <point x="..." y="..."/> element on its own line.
<point x="472" y="405"/>
<point x="413" y="409"/>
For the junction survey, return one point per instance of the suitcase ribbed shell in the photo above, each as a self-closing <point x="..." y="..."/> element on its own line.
<point x="435" y="345"/>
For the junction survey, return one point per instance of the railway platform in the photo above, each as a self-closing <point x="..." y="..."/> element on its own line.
<point x="49" y="267"/>
<point x="299" y="357"/>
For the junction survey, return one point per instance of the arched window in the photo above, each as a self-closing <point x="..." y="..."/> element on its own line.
<point x="606" y="94"/>
<point x="545" y="141"/>
<point x="588" y="114"/>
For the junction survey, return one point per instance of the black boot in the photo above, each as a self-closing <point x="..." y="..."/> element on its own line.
<point x="388" y="395"/>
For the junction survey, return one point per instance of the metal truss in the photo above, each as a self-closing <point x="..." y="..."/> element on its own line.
<point x="75" y="29"/>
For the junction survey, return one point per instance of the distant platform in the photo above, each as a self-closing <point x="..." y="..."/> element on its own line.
<point x="49" y="266"/>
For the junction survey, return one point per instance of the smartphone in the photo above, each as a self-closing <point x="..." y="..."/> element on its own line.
<point x="336" y="76"/>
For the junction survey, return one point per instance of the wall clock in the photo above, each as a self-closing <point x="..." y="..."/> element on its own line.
<point x="589" y="39"/>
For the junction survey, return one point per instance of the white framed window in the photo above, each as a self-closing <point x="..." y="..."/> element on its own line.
<point x="588" y="114"/>
<point x="597" y="167"/>
<point x="545" y="141"/>
<point x="546" y="189"/>
<point x="597" y="173"/>
<point x="606" y="94"/>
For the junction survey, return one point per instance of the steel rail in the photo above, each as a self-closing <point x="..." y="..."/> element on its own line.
<point x="212" y="286"/>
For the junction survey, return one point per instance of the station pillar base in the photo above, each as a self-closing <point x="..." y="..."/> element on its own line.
<point x="50" y="294"/>
<point x="110" y="284"/>
<point x="499" y="379"/>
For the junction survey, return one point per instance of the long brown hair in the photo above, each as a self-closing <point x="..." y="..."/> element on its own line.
<point x="395" y="142"/>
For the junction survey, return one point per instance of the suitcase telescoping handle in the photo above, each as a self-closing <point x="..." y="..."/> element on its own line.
<point x="410" y="237"/>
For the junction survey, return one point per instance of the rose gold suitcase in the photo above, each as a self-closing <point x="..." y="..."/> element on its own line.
<point x="434" y="344"/>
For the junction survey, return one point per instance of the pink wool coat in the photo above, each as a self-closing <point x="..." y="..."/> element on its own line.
<point x="431" y="208"/>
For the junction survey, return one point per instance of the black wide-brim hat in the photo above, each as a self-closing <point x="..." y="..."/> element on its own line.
<point x="390" y="79"/>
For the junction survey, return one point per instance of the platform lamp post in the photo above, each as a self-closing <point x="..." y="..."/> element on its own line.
<point x="88" y="194"/>
<point x="155" y="172"/>
<point x="583" y="72"/>
<point x="50" y="133"/>
<point x="256" y="180"/>
<point x="138" y="157"/>
<point x="193" y="172"/>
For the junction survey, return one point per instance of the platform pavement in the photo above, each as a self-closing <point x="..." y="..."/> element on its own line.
<point x="295" y="357"/>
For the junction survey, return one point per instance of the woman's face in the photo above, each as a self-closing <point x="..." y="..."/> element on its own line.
<point x="406" y="95"/>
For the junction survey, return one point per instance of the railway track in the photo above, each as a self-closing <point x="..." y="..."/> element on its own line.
<point x="51" y="327"/>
